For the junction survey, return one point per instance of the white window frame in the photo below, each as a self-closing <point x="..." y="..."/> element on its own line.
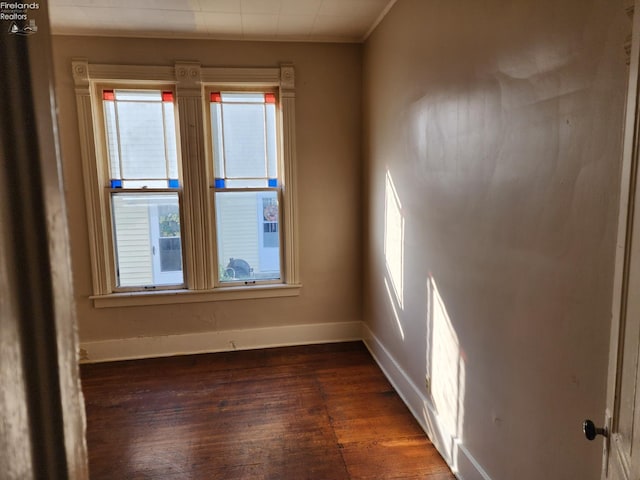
<point x="103" y="166"/>
<point x="210" y="88"/>
<point x="191" y="80"/>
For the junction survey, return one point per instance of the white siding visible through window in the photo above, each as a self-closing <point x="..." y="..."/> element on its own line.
<point x="237" y="235"/>
<point x="134" y="245"/>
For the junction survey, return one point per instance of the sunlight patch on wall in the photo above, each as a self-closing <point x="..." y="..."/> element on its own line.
<point x="394" y="238"/>
<point x="392" y="302"/>
<point x="446" y="367"/>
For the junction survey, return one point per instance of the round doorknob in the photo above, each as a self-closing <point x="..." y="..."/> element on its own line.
<point x="591" y="431"/>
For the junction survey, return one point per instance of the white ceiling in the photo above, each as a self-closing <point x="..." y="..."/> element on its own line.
<point x="278" y="20"/>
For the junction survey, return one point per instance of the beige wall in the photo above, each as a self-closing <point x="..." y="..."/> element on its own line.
<point x="328" y="122"/>
<point x="499" y="123"/>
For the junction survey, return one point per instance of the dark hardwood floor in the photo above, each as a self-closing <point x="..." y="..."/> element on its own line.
<point x="321" y="412"/>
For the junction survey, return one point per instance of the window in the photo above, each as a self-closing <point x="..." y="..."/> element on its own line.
<point x="247" y="193"/>
<point x="190" y="182"/>
<point x="140" y="135"/>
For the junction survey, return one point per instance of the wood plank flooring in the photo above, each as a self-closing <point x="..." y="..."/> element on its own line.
<point x="321" y="412"/>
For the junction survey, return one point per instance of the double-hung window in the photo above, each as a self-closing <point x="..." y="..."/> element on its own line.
<point x="144" y="180"/>
<point x="190" y="182"/>
<point x="247" y="190"/>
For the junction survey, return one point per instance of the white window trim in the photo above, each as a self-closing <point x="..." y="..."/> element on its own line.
<point x="198" y="235"/>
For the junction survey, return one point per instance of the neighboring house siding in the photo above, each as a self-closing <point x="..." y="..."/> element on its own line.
<point x="238" y="234"/>
<point x="134" y="246"/>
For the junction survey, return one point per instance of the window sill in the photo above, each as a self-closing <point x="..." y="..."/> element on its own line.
<point x="165" y="297"/>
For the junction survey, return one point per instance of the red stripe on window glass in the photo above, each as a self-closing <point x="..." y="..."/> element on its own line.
<point x="167" y="97"/>
<point x="108" y="95"/>
<point x="269" y="98"/>
<point x="215" y="97"/>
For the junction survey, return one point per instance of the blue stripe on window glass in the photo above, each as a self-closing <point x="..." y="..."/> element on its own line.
<point x="273" y="182"/>
<point x="219" y="183"/>
<point x="173" y="183"/>
<point x="116" y="183"/>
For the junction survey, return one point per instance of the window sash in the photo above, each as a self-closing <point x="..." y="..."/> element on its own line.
<point x="260" y="254"/>
<point x="222" y="141"/>
<point x="120" y="140"/>
<point x="158" y="280"/>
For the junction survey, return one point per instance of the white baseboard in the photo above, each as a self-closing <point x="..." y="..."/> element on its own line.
<point x="219" y="341"/>
<point x="467" y="463"/>
<point x="459" y="459"/>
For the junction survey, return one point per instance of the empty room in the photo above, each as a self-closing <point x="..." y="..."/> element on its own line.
<point x="319" y="239"/>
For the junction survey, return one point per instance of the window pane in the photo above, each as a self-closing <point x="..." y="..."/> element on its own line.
<point x="138" y="95"/>
<point x="216" y="139"/>
<point x="144" y="183"/>
<point x="170" y="140"/>
<point x="247" y="183"/>
<point x="242" y="97"/>
<point x="112" y="139"/>
<point x="142" y="140"/>
<point x="147" y="239"/>
<point x="272" y="161"/>
<point x="170" y="255"/>
<point x="141" y="136"/>
<point x="244" y="140"/>
<point x="248" y="235"/>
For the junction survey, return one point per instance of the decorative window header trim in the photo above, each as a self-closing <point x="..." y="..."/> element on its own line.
<point x="182" y="72"/>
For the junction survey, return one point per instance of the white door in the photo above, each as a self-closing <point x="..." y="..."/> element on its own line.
<point x="621" y="460"/>
<point x="166" y="248"/>
<point x="268" y="232"/>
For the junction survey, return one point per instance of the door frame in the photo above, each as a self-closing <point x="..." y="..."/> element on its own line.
<point x="629" y="203"/>
<point x="43" y="435"/>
